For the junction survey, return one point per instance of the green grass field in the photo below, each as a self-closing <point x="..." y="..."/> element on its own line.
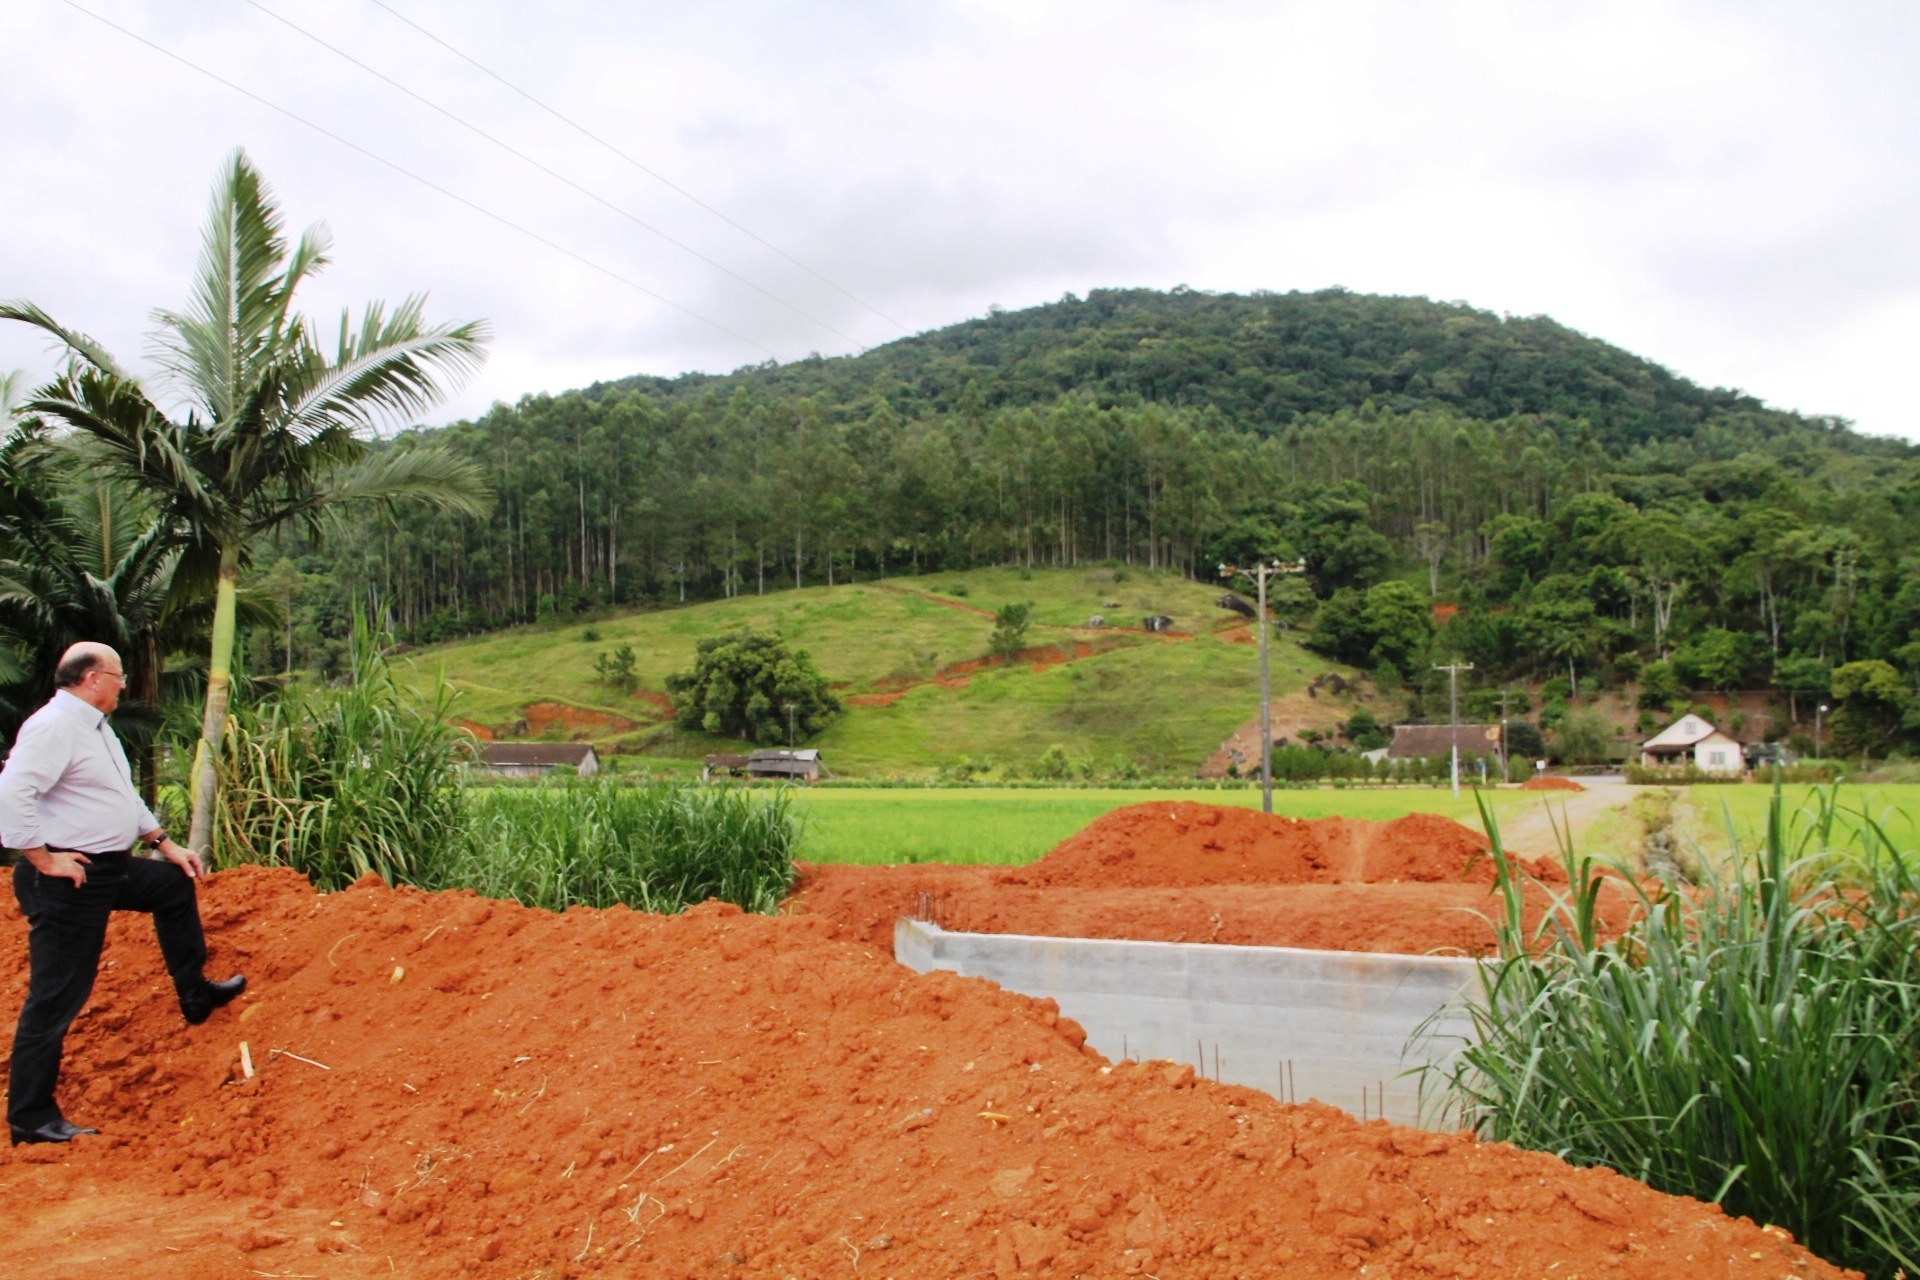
<point x="1162" y="704"/>
<point x="1742" y="810"/>
<point x="1013" y="826"/>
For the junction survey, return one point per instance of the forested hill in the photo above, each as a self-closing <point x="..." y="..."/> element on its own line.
<point x="1262" y="361"/>
<point x="1577" y="508"/>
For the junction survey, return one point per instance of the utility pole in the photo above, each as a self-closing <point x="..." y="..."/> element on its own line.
<point x="1260" y="573"/>
<point x="1453" y="670"/>
<point x="1504" y="771"/>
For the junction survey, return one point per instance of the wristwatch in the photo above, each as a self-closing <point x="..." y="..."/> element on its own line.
<point x="157" y="840"/>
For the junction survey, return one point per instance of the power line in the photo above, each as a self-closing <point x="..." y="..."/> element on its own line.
<point x="431" y="185"/>
<point x="555" y="174"/>
<point x="671" y="185"/>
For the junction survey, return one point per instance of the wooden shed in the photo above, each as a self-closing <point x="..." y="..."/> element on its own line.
<point x="1424" y="741"/>
<point x="804" y="764"/>
<point x="536" y="759"/>
<point x="729" y="766"/>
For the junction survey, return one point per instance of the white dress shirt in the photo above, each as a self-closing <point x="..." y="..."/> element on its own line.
<point x="67" y="785"/>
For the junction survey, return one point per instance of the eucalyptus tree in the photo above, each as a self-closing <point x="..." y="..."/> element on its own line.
<point x="269" y="428"/>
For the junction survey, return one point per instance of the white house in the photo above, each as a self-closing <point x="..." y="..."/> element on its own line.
<point x="1691" y="740"/>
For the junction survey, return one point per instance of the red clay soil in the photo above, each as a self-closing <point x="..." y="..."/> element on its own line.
<point x="1550" y="782"/>
<point x="1184" y="872"/>
<point x="511" y="1093"/>
<point x="543" y="716"/>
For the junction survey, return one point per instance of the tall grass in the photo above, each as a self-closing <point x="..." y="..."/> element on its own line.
<point x="336" y="783"/>
<point x="1753" y="1040"/>
<point x="594" y="843"/>
<point x="339" y="782"/>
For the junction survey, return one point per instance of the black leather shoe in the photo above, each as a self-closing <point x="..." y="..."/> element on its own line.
<point x="198" y="1005"/>
<point x="52" y="1131"/>
<point x="73" y="1130"/>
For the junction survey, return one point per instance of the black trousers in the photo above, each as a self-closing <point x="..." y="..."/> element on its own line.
<point x="67" y="927"/>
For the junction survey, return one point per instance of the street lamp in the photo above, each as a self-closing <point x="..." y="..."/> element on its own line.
<point x="1818" y="712"/>
<point x="1260" y="573"/>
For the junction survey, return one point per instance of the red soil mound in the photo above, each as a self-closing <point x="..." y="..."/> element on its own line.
<point x="1181" y="872"/>
<point x="1167" y="844"/>
<point x="508" y="1092"/>
<point x="1550" y="782"/>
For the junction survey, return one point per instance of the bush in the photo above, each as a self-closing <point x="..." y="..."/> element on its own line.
<point x="749" y="685"/>
<point x="1364" y="732"/>
<point x="1525" y="742"/>
<point x="1584" y="736"/>
<point x="1751" y="1041"/>
<point x="615" y="670"/>
<point x="1010" y="625"/>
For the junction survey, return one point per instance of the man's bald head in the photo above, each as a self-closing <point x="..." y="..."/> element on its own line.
<point x="81" y="659"/>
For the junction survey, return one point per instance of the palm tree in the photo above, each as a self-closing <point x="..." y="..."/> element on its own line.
<point x="275" y="430"/>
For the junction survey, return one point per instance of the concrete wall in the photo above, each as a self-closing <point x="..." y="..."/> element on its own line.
<point x="1332" y="1025"/>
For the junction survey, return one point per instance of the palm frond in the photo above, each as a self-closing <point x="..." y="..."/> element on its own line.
<point x="389" y="371"/>
<point x="428" y="473"/>
<point x="75" y="341"/>
<point x="234" y="320"/>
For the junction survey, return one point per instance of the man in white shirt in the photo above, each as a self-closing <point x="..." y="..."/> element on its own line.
<point x="69" y="807"/>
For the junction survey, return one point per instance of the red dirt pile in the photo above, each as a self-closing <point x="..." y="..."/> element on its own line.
<point x="1164" y="845"/>
<point x="1185" y="872"/>
<point x="509" y="1092"/>
<point x="1550" y="782"/>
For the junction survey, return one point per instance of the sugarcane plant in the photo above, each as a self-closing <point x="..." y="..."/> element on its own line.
<point x="1751" y="1038"/>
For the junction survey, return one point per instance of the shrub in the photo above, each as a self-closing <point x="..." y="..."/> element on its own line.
<point x="1751" y="1041"/>
<point x="749" y="685"/>
<point x="1010" y="623"/>
<point x="1584" y="736"/>
<point x="615" y="670"/>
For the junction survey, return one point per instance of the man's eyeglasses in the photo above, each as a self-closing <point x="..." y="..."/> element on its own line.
<point x="119" y="677"/>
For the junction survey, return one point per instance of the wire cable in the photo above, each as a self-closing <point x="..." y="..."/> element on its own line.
<point x="555" y="174"/>
<point x="431" y="185"/>
<point x="671" y="185"/>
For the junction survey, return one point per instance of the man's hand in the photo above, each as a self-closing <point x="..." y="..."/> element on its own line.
<point x="59" y="864"/>
<point x="185" y="859"/>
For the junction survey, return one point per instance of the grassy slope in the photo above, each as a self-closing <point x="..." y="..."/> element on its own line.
<point x="1163" y="704"/>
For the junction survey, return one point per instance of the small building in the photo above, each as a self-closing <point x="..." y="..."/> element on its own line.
<point x="1157" y="622"/>
<point x="1691" y="740"/>
<point x="536" y="759"/>
<point x="1424" y="741"/>
<point x="804" y="764"/>
<point x="730" y="766"/>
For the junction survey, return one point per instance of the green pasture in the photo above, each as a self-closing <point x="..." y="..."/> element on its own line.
<point x="1724" y="814"/>
<point x="1161" y="704"/>
<point x="1012" y="826"/>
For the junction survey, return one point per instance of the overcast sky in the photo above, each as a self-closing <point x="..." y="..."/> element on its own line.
<point x="1728" y="189"/>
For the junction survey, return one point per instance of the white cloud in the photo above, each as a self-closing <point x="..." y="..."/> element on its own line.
<point x="1723" y="188"/>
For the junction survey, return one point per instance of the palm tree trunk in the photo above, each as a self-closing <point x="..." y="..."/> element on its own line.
<point x="219" y="688"/>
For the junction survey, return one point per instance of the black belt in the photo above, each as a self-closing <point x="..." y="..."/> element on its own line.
<point x="116" y="855"/>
